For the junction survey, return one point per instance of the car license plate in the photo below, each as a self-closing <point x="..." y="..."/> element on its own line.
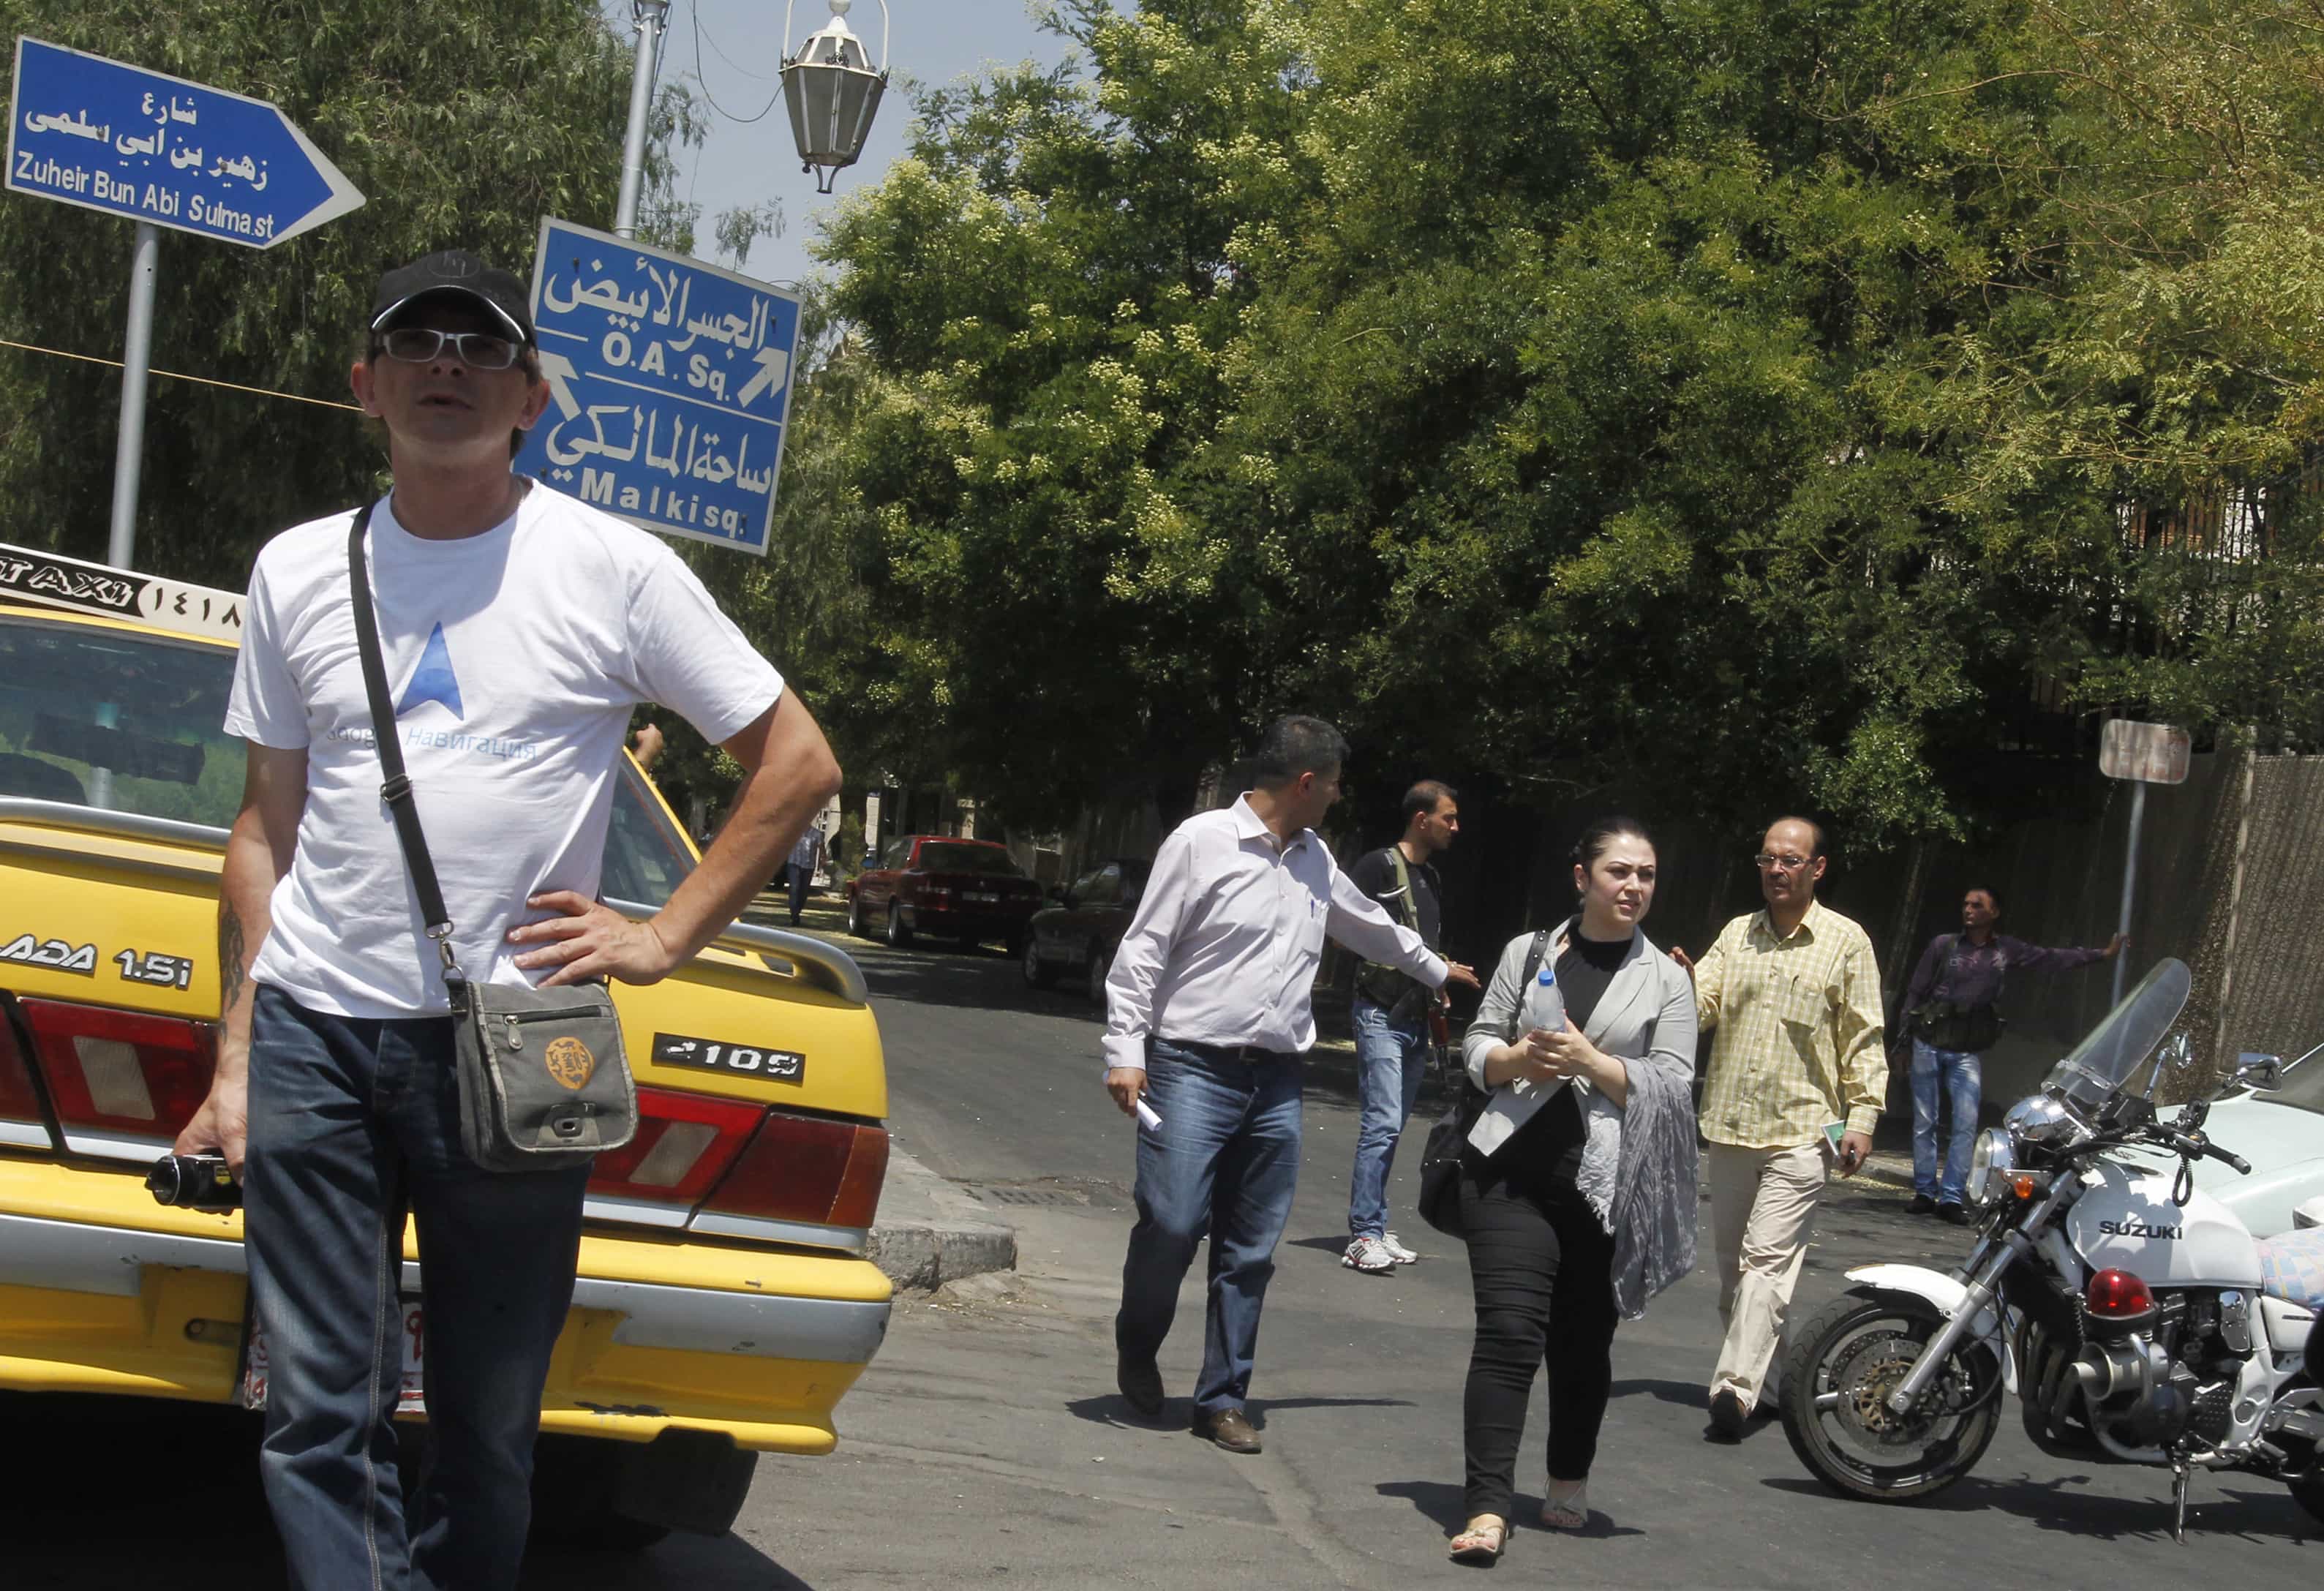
<point x="408" y="1398"/>
<point x="981" y="897"/>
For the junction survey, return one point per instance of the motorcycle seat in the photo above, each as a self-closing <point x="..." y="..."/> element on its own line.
<point x="2292" y="1268"/>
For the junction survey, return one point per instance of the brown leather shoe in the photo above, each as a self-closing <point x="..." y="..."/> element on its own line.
<point x="1140" y="1382"/>
<point x="1229" y="1428"/>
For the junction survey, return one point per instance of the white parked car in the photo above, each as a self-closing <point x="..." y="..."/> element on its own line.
<point x="2282" y="1133"/>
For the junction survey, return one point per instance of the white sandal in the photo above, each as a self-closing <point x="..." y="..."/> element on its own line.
<point x="1480" y="1544"/>
<point x="1569" y="1512"/>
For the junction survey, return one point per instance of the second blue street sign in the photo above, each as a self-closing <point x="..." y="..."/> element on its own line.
<point x="669" y="386"/>
<point x="118" y="138"/>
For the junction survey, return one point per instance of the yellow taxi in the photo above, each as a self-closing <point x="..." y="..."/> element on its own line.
<point x="725" y="1302"/>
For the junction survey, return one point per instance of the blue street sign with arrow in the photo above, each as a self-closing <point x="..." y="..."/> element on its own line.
<point x="669" y="386"/>
<point x="105" y="136"/>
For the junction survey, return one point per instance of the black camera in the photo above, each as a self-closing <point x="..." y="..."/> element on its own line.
<point x="194" y="1182"/>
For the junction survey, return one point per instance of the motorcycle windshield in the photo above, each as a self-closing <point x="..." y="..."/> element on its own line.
<point x="2104" y="1062"/>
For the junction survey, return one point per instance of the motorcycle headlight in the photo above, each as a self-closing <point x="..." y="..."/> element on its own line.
<point x="2038" y="1119"/>
<point x="1991" y="1164"/>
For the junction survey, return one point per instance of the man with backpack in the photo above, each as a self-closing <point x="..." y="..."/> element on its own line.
<point x="1390" y="1015"/>
<point x="1951" y="1012"/>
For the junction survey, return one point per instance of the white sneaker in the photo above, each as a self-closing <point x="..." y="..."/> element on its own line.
<point x="1368" y="1254"/>
<point x="1396" y="1251"/>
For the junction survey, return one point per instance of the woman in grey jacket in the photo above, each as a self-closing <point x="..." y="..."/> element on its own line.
<point x="1577" y="1187"/>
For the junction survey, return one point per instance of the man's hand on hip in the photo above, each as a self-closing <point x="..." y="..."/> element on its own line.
<point x="1125" y="1083"/>
<point x="591" y="940"/>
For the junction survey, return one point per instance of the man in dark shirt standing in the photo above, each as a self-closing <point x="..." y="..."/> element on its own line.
<point x="1965" y="970"/>
<point x="1391" y="1017"/>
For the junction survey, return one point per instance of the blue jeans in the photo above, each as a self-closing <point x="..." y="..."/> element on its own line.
<point x="1960" y="1076"/>
<point x="1226" y="1159"/>
<point x="351" y="1123"/>
<point x="1391" y="1060"/>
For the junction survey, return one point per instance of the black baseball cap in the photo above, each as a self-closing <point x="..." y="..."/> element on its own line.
<point x="454" y="271"/>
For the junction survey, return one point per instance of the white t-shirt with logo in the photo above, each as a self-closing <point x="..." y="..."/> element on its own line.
<point x="513" y="659"/>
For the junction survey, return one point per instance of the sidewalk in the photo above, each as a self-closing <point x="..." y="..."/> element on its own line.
<point x="930" y="1233"/>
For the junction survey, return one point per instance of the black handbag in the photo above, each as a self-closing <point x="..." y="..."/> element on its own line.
<point x="1448" y="1139"/>
<point x="544" y="1084"/>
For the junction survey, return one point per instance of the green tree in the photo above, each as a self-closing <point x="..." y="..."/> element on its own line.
<point x="2156" y="392"/>
<point x="1750" y="398"/>
<point x="1043" y="288"/>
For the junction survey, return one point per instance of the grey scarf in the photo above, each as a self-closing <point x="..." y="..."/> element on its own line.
<point x="1653" y="1215"/>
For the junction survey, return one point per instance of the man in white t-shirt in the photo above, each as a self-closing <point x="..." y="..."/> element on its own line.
<point x="519" y="629"/>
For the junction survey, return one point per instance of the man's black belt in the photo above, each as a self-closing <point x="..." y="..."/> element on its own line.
<point x="1248" y="1052"/>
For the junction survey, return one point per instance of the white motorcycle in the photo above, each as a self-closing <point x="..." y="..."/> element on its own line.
<point x="2132" y="1316"/>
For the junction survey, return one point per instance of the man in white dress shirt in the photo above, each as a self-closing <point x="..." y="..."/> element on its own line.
<point x="1207" y="1015"/>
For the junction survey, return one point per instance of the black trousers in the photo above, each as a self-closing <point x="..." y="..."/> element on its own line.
<point x="1542" y="1268"/>
<point x="797" y="877"/>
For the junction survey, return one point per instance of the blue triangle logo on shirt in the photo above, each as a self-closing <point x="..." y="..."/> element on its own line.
<point x="433" y="680"/>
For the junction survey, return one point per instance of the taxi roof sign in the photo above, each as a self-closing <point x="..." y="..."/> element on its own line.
<point x="55" y="581"/>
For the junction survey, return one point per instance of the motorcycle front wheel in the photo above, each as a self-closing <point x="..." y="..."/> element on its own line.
<point x="1843" y="1364"/>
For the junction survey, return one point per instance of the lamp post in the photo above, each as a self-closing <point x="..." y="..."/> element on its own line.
<point x="651" y="17"/>
<point x="833" y="90"/>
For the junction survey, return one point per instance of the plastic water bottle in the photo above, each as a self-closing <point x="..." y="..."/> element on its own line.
<point x="1544" y="1005"/>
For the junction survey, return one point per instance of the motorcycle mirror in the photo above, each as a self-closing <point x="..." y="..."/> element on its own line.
<point x="2258" y="1072"/>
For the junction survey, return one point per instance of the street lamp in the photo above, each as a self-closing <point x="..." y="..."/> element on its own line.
<point x="834" y="91"/>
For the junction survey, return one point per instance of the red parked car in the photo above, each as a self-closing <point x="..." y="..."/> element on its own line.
<point x="966" y="890"/>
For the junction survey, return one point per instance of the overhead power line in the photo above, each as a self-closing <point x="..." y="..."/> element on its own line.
<point x="180" y="375"/>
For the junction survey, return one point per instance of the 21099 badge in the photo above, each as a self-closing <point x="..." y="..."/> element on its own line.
<point x="671" y="1049"/>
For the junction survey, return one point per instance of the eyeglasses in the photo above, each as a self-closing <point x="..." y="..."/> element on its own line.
<point x="418" y="345"/>
<point x="1780" y="864"/>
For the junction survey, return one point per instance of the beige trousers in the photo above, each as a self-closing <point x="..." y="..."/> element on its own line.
<point x="1763" y="1205"/>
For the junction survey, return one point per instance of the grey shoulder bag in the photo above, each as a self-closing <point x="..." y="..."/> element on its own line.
<point x="544" y="1084"/>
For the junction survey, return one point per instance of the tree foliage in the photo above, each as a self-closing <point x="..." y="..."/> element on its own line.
<point x="1736" y="396"/>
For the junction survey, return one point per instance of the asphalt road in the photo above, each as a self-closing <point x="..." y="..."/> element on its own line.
<point x="987" y="1441"/>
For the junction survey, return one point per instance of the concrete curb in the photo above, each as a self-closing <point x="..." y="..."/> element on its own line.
<point x="1887" y="1166"/>
<point x="929" y="1232"/>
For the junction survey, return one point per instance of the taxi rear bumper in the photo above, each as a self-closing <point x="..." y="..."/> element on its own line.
<point x="71" y="1258"/>
<point x="664" y="1333"/>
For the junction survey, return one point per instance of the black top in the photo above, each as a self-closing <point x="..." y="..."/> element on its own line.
<point x="1584" y="968"/>
<point x="1375" y="875"/>
<point x="1546" y="1152"/>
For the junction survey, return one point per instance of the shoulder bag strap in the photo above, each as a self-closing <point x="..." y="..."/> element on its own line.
<point x="1408" y="906"/>
<point x="397" y="789"/>
<point x="1534" y="954"/>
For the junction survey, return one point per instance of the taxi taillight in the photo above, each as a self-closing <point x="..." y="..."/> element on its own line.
<point x="122" y="1082"/>
<point x="21" y="1124"/>
<point x="684" y="1144"/>
<point x="805" y="1179"/>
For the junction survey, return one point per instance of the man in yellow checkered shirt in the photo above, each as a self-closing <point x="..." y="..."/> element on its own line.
<point x="1791" y="996"/>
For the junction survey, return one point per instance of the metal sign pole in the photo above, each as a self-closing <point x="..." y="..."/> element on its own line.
<point x="144" y="265"/>
<point x="650" y="16"/>
<point x="2130" y="881"/>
